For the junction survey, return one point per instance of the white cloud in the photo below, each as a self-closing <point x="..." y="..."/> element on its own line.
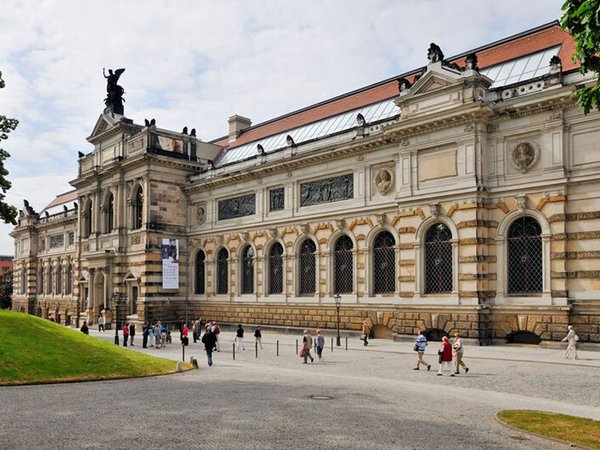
<point x="195" y="63"/>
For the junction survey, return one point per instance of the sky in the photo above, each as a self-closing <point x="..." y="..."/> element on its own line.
<point x="197" y="62"/>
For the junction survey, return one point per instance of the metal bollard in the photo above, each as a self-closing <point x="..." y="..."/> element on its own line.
<point x="256" y="348"/>
<point x="331" y="344"/>
<point x="346" y="343"/>
<point x="234" y="351"/>
<point x="296" y="346"/>
<point x="277" y="347"/>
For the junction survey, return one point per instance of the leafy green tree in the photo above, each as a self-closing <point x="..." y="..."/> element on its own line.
<point x="582" y="20"/>
<point x="8" y="213"/>
<point x="6" y="289"/>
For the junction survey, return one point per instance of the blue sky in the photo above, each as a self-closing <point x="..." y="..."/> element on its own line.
<point x="195" y="63"/>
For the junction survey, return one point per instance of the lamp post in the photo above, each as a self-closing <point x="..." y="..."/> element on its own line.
<point x="338" y="300"/>
<point x="115" y="297"/>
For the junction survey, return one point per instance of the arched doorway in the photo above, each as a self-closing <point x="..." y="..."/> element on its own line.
<point x="435" y="334"/>
<point x="98" y="299"/>
<point x="523" y="337"/>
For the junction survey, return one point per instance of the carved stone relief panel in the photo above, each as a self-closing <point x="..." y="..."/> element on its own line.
<point x="383" y="180"/>
<point x="201" y="213"/>
<point x="237" y="207"/>
<point x="524" y="156"/>
<point x="327" y="190"/>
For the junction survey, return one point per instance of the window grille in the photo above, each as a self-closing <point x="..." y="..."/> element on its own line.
<point x="222" y="271"/>
<point x="69" y="289"/>
<point x="525" y="257"/>
<point x="438" y="260"/>
<point x="59" y="280"/>
<point x="308" y="267"/>
<point x="343" y="260"/>
<point x="384" y="265"/>
<point x="276" y="269"/>
<point x="138" y="207"/>
<point x="200" y="260"/>
<point x="41" y="282"/>
<point x="247" y="270"/>
<point x="110" y="214"/>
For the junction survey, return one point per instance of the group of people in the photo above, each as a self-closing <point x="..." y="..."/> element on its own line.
<point x="307" y="344"/>
<point x="153" y="335"/>
<point x="447" y="353"/>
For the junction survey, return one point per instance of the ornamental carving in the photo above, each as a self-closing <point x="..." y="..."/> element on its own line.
<point x="201" y="214"/>
<point x="276" y="199"/>
<point x="328" y="190"/>
<point x="383" y="181"/>
<point x="237" y="207"/>
<point x="524" y="156"/>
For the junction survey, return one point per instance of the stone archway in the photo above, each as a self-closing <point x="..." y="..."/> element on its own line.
<point x="523" y="337"/>
<point x="379" y="331"/>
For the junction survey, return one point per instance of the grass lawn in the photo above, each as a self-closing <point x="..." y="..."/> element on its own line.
<point x="35" y="350"/>
<point x="575" y="430"/>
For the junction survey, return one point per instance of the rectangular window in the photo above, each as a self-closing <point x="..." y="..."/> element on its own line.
<point x="71" y="237"/>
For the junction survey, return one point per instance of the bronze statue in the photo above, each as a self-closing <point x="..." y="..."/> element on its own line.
<point x="434" y="53"/>
<point x="114" y="92"/>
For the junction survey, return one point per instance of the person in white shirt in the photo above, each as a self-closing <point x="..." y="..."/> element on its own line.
<point x="571" y="338"/>
<point x="101" y="323"/>
<point x="457" y="347"/>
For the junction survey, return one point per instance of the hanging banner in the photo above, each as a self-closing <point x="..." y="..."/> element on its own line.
<point x="170" y="263"/>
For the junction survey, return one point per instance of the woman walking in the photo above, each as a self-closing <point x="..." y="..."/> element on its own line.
<point x="445" y="353"/>
<point x="571" y="338"/>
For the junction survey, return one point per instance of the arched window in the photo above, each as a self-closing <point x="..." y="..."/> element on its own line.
<point x="110" y="213"/>
<point x="384" y="267"/>
<point x="41" y="281"/>
<point x="222" y="271"/>
<point x="308" y="272"/>
<point x="50" y="280"/>
<point x="138" y="208"/>
<point x="524" y="257"/>
<point x="69" y="286"/>
<point x="343" y="266"/>
<point x="59" y="280"/>
<point x="87" y="220"/>
<point x="276" y="269"/>
<point x="200" y="259"/>
<point x="438" y="259"/>
<point x="247" y="271"/>
<point x="24" y="280"/>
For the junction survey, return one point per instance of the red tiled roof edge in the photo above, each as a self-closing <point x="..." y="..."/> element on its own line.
<point x="524" y="43"/>
<point x="63" y="198"/>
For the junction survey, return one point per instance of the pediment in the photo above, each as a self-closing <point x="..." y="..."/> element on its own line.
<point x="133" y="275"/>
<point x="104" y="123"/>
<point x="434" y="81"/>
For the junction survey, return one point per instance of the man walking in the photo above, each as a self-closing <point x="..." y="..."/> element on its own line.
<point x="457" y="346"/>
<point x="209" y="339"/>
<point x="320" y="340"/>
<point x="101" y="323"/>
<point x="307" y="342"/>
<point x="420" y="344"/>
<point x="131" y="333"/>
<point x="239" y="337"/>
<point x="258" y="337"/>
<point x="366" y="329"/>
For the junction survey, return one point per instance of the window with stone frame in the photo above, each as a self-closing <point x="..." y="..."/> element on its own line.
<point x="109" y="211"/>
<point x="343" y="277"/>
<point x="438" y="260"/>
<point x="41" y="281"/>
<point x="276" y="269"/>
<point x="247" y="270"/>
<point x="50" y="281"/>
<point x="384" y="263"/>
<point x="69" y="283"/>
<point x="138" y="208"/>
<point x="87" y="220"/>
<point x="223" y="271"/>
<point x="308" y="268"/>
<point x="23" y="280"/>
<point x="199" y="287"/>
<point x="59" y="280"/>
<point x="525" y="261"/>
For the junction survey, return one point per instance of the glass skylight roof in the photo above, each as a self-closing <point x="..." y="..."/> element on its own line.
<point x="521" y="69"/>
<point x="345" y="121"/>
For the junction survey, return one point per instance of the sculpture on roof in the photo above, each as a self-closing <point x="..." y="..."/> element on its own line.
<point x="434" y="53"/>
<point x="471" y="62"/>
<point x="114" y="92"/>
<point x="403" y="84"/>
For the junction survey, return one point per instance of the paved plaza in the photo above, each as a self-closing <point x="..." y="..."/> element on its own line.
<point x="362" y="398"/>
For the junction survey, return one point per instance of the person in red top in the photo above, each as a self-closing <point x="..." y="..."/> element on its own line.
<point x="445" y="353"/>
<point x="125" y="334"/>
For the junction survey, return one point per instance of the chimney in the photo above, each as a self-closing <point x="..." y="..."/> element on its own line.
<point x="236" y="125"/>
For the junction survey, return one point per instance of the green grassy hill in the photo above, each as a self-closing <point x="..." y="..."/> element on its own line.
<point x="34" y="350"/>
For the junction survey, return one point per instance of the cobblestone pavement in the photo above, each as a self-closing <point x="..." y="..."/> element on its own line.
<point x="363" y="398"/>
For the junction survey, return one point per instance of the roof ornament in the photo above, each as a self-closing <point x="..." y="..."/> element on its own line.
<point x="114" y="92"/>
<point x="434" y="54"/>
<point x="80" y="154"/>
<point x="193" y="132"/>
<point x="471" y="62"/>
<point x="290" y="141"/>
<point x="360" y="120"/>
<point x="403" y="84"/>
<point x="555" y="64"/>
<point x="260" y="150"/>
<point x="184" y="131"/>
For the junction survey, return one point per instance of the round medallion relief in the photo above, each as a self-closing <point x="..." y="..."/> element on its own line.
<point x="384" y="181"/>
<point x="201" y="217"/>
<point x="524" y="156"/>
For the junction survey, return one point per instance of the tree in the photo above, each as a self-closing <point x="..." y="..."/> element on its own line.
<point x="581" y="19"/>
<point x="8" y="213"/>
<point x="6" y="289"/>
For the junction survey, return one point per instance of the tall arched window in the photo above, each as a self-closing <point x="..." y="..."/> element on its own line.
<point x="110" y="213"/>
<point x="41" y="281"/>
<point x="308" y="272"/>
<point x="525" y="257"/>
<point x="138" y="208"/>
<point x="343" y="266"/>
<point x="200" y="271"/>
<point x="69" y="284"/>
<point x="50" y="280"/>
<point x="222" y="271"/>
<point x="384" y="267"/>
<point x="247" y="271"/>
<point x="59" y="280"/>
<point x="276" y="269"/>
<point x="87" y="220"/>
<point x="24" y="280"/>
<point x="438" y="259"/>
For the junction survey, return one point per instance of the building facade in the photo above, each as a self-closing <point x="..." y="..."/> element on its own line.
<point x="461" y="196"/>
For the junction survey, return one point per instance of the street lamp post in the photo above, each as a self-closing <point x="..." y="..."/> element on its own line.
<point x="338" y="300"/>
<point x="115" y="297"/>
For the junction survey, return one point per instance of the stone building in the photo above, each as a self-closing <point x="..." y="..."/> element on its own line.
<point x="460" y="196"/>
